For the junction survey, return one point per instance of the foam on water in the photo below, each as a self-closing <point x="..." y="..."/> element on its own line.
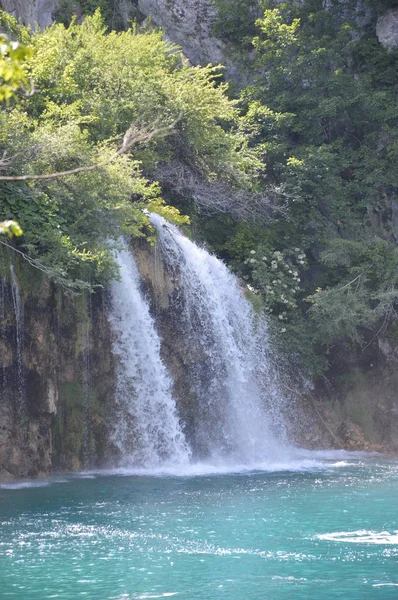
<point x="21" y="485"/>
<point x="251" y="535"/>
<point x="300" y="460"/>
<point x="361" y="536"/>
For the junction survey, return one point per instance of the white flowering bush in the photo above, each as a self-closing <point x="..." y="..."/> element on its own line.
<point x="276" y="276"/>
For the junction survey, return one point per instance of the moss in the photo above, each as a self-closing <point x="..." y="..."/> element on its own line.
<point x="78" y="422"/>
<point x="30" y="279"/>
<point x="357" y="403"/>
<point x="255" y="300"/>
<point x="5" y="262"/>
<point x="68" y="430"/>
<point x="71" y="308"/>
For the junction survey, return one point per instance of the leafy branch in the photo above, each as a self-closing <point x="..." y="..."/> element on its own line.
<point x="131" y="138"/>
<point x="51" y="272"/>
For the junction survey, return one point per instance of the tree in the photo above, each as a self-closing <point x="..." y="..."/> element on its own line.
<point x="72" y="180"/>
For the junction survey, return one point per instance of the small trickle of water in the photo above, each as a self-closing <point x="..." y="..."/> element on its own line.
<point x="237" y="398"/>
<point x="20" y="337"/>
<point x="147" y="429"/>
<point x="3" y="291"/>
<point x="88" y="450"/>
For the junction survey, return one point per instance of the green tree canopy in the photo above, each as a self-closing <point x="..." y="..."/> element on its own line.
<point x="90" y="88"/>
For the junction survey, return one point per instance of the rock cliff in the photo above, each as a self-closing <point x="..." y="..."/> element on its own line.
<point x="189" y="23"/>
<point x="31" y="12"/>
<point x="58" y="378"/>
<point x="56" y="375"/>
<point x="357" y="411"/>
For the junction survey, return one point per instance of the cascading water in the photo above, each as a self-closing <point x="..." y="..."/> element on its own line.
<point x="227" y="357"/>
<point x="147" y="431"/>
<point x="20" y="335"/>
<point x="3" y="289"/>
<point x="88" y="450"/>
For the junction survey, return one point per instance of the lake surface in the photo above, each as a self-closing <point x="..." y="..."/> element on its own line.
<point x="327" y="530"/>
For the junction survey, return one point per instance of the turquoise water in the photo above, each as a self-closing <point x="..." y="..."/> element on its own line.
<point x="328" y="531"/>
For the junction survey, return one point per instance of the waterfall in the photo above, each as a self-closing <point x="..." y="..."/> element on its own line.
<point x="88" y="449"/>
<point x="20" y="336"/>
<point x="147" y="430"/>
<point x="227" y="357"/>
<point x="3" y="291"/>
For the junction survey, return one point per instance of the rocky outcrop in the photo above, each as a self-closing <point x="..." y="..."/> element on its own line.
<point x="31" y="12"/>
<point x="387" y="29"/>
<point x="56" y="376"/>
<point x="188" y="23"/>
<point x="356" y="410"/>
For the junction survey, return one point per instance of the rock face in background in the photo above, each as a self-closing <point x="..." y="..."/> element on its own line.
<point x="359" y="412"/>
<point x="56" y="378"/>
<point x="31" y="12"/>
<point x="189" y="24"/>
<point x="387" y="29"/>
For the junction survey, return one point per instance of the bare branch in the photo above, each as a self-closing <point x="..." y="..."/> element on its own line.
<point x="7" y="161"/>
<point x="131" y="138"/>
<point x="217" y="197"/>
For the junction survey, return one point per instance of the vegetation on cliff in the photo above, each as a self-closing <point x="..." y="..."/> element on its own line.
<point x="322" y="108"/>
<point x="91" y="89"/>
<point x="314" y="133"/>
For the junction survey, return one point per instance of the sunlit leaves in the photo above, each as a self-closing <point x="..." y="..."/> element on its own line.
<point x="90" y="87"/>
<point x="13" y="74"/>
<point x="10" y="228"/>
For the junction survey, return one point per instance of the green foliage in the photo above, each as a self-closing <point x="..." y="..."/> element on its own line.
<point x="10" y="228"/>
<point x="236" y="20"/>
<point x="369" y="296"/>
<point x="13" y="75"/>
<point x="322" y="112"/>
<point x="90" y="87"/>
<point x="13" y="55"/>
<point x="67" y="11"/>
<point x="317" y="124"/>
<point x="275" y="276"/>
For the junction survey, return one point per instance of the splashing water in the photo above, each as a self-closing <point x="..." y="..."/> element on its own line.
<point x="238" y="401"/>
<point x="147" y="430"/>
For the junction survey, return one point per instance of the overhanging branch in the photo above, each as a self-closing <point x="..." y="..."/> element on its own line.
<point x="131" y="138"/>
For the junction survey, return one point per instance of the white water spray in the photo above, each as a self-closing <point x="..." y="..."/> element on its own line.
<point x="237" y="397"/>
<point x="147" y="429"/>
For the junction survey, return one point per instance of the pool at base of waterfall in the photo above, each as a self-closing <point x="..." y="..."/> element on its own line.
<point x="325" y="529"/>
